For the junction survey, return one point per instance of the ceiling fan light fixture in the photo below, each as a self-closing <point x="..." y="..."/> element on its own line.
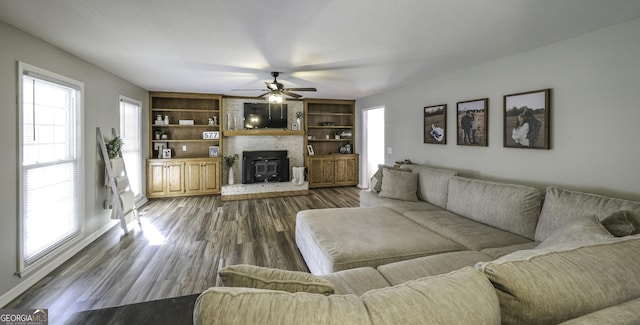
<point x="275" y="98"/>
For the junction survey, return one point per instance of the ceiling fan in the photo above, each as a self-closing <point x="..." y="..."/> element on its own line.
<point x="276" y="90"/>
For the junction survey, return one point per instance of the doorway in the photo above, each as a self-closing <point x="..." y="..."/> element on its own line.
<point x="373" y="142"/>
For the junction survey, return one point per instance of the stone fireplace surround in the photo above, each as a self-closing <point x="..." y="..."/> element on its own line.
<point x="237" y="144"/>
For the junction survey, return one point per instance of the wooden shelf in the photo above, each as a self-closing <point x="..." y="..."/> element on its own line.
<point x="330" y="140"/>
<point x="332" y="127"/>
<point x="185" y="110"/>
<point x="262" y="132"/>
<point x="330" y="114"/>
<point x="187" y="140"/>
<point x="186" y="126"/>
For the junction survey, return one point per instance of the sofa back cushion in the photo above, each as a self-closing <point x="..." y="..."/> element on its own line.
<point x="268" y="307"/>
<point x="562" y="207"/>
<point x="513" y="208"/>
<point x="552" y="286"/>
<point x="460" y="297"/>
<point x="433" y="183"/>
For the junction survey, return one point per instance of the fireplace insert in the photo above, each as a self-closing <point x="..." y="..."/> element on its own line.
<point x="265" y="166"/>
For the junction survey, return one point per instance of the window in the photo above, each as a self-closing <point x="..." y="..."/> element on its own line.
<point x="131" y="134"/>
<point x="50" y="163"/>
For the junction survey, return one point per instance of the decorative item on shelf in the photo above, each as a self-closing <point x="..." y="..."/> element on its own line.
<point x="158" y="135"/>
<point x="310" y="150"/>
<point x="337" y="136"/>
<point x="164" y="135"/>
<point x="230" y="160"/>
<point x="294" y="126"/>
<point x="159" y="146"/>
<point x="299" y="116"/>
<point x="328" y="123"/>
<point x="210" y="135"/>
<point x="166" y="153"/>
<point x="210" y="122"/>
<point x="186" y="122"/>
<point x="214" y="151"/>
<point x="113" y="147"/>
<point x="166" y="119"/>
<point x="346" y="149"/>
<point x="159" y="120"/>
<point x="215" y="120"/>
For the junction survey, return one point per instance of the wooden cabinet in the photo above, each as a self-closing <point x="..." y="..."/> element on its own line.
<point x="181" y="177"/>
<point x="330" y="128"/>
<point x="332" y="170"/>
<point x="165" y="178"/>
<point x="202" y="176"/>
<point x="189" y="125"/>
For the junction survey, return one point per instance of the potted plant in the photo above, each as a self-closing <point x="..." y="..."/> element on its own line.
<point x="230" y="160"/>
<point x="113" y="147"/>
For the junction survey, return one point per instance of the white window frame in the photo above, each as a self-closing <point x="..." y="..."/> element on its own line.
<point x="124" y="99"/>
<point x="25" y="267"/>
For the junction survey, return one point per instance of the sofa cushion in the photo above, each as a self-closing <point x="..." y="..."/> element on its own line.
<point x="459" y="297"/>
<point x="399" y="185"/>
<point x="513" y="208"/>
<point x="376" y="180"/>
<point x="356" y="281"/>
<point x="251" y="276"/>
<point x="258" y="306"/>
<point x="403" y="271"/>
<point x="563" y="206"/>
<point x="372" y="199"/>
<point x="552" y="286"/>
<point x="331" y="240"/>
<point x="622" y="223"/>
<point x="473" y="235"/>
<point x="586" y="229"/>
<point x="622" y="314"/>
<point x="496" y="252"/>
<point x="433" y="183"/>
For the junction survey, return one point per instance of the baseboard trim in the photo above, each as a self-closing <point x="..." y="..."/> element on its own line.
<point x="38" y="275"/>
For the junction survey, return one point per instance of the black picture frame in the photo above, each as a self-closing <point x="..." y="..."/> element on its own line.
<point x="472" y="124"/>
<point x="527" y="120"/>
<point x="435" y="124"/>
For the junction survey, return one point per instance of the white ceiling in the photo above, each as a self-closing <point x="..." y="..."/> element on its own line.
<point x="344" y="48"/>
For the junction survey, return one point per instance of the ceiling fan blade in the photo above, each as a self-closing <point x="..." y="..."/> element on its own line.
<point x="302" y="89"/>
<point x="246" y="89"/>
<point x="294" y="95"/>
<point x="262" y="95"/>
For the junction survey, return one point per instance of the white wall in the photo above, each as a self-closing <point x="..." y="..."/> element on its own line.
<point x="101" y="109"/>
<point x="595" y="115"/>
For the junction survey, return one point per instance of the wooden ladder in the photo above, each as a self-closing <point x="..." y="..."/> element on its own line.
<point x="119" y="189"/>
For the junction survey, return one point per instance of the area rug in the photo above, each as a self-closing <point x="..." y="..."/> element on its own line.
<point x="174" y="311"/>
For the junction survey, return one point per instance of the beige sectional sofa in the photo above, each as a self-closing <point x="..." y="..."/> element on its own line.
<point x="448" y="250"/>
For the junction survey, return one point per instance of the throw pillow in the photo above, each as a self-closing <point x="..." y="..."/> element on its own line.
<point x="587" y="229"/>
<point x="375" y="184"/>
<point x="622" y="223"/>
<point x="399" y="185"/>
<point x="251" y="276"/>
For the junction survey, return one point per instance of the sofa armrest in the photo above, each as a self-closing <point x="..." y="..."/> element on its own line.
<point x="251" y="276"/>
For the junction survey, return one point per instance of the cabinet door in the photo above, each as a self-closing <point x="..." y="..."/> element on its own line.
<point x="193" y="177"/>
<point x="346" y="170"/>
<point x="321" y="171"/>
<point x="174" y="180"/>
<point x="210" y="172"/>
<point x="155" y="179"/>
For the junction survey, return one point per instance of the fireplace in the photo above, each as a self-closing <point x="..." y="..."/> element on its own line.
<point x="265" y="166"/>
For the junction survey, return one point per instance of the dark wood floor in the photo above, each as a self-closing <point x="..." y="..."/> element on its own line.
<point x="178" y="250"/>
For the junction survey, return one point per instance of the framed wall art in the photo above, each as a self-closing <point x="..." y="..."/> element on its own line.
<point x="471" y="122"/>
<point x="526" y="119"/>
<point x="435" y="123"/>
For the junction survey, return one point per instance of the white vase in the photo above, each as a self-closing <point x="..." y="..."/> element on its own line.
<point x="230" y="180"/>
<point x="299" y="121"/>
